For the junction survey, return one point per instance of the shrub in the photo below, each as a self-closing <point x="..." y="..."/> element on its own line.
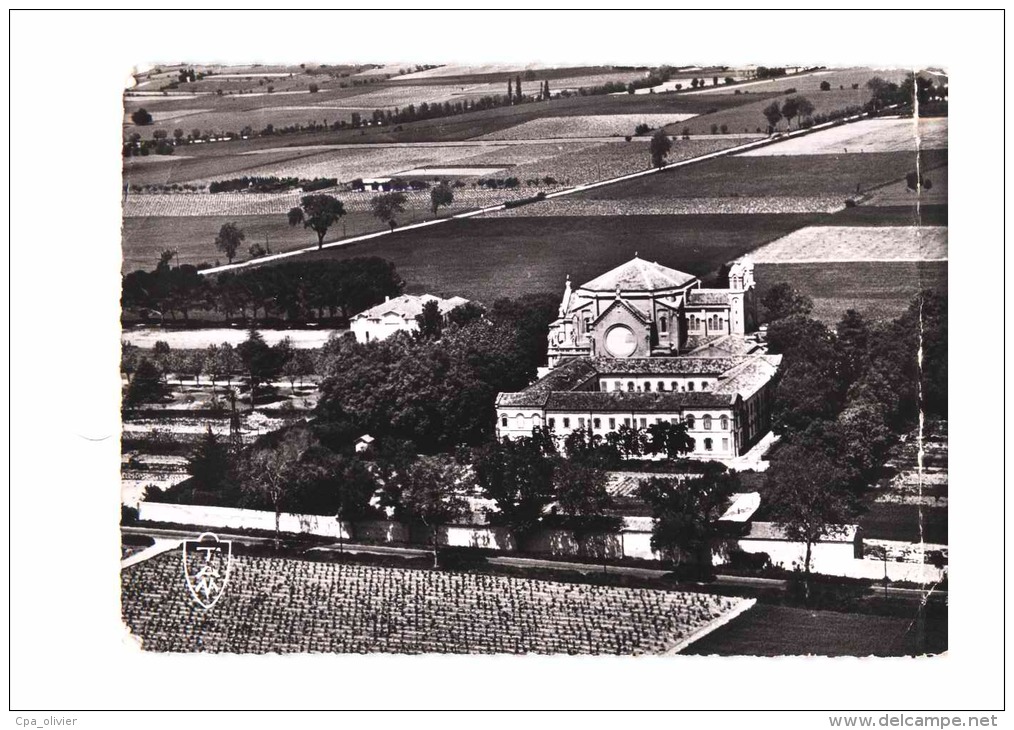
<point x="141" y="117"/>
<point x="850" y="203"/>
<point x="642" y="128"/>
<point x="825" y="85"/>
<point x="790" y="90"/>
<point x="724" y="128"/>
<point x="314" y="88"/>
<point x="714" y="129"/>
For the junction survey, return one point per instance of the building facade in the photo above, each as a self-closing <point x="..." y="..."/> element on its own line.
<point x="397" y="315"/>
<point x="644" y="343"/>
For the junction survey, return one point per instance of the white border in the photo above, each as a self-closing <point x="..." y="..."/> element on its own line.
<point x="67" y="646"/>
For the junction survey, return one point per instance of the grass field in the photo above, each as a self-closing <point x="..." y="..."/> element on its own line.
<point x="594" y="125"/>
<point x="868" y="135"/>
<point x="483" y="259"/>
<point x="286" y="605"/>
<point x="193" y="236"/>
<point x="768" y="630"/>
<point x="880" y="290"/>
<point x="802" y="176"/>
<point x="899" y="193"/>
<point x="851" y="243"/>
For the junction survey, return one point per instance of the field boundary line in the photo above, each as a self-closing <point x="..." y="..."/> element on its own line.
<point x="717" y="623"/>
<point x="560" y="193"/>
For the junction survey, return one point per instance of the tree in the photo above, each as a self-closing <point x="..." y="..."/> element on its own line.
<point x="671" y="439"/>
<point x="146" y="385"/>
<point x="336" y="484"/>
<point x="686" y="514"/>
<point x="510" y="91"/>
<point x="804" y="108"/>
<point x="229" y="238"/>
<point x="128" y="360"/>
<point x="825" y="85"/>
<point x="431" y="495"/>
<point x="773" y="113"/>
<point x="260" y="361"/>
<point x="313" y="88"/>
<point x="274" y="472"/>
<point x="209" y="463"/>
<point x="782" y="301"/>
<point x="660" y="147"/>
<point x="431" y="321"/>
<point x="517" y="475"/>
<point x="853" y="338"/>
<point x="441" y="195"/>
<point x="582" y="496"/>
<point x="317" y="212"/>
<point x="517" y="87"/>
<point x="790" y="109"/>
<point x="178" y="135"/>
<point x="387" y="205"/>
<point x="141" y="117"/>
<point x="809" y="498"/>
<point x="465" y="313"/>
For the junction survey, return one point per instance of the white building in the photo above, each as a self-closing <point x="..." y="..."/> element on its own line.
<point x="397" y="315"/>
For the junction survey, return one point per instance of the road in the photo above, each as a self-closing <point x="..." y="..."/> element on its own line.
<point x="559" y="194"/>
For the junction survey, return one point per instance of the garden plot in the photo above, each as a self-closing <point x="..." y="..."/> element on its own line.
<point x="348" y="608"/>
<point x="593" y="125"/>
<point x="868" y="135"/>
<point x="856" y="243"/>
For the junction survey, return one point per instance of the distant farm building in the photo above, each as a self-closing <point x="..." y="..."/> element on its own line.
<point x="397" y="315"/>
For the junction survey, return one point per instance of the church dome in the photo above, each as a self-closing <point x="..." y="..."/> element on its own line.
<point x="639" y="275"/>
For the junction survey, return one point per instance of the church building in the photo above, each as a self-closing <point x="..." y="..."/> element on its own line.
<point x="644" y="343"/>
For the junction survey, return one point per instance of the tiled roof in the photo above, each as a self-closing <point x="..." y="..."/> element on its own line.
<point x="409" y="306"/>
<point x="707" y="297"/>
<point x="639" y="275"/>
<point x="726" y="346"/>
<point x="748" y="376"/>
<point x="569" y="376"/>
<point x="626" y="402"/>
<point x="663" y="365"/>
<point x="638" y="314"/>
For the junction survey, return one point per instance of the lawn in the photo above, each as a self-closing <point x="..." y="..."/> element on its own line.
<point x="483" y="259"/>
<point x="880" y="290"/>
<point x="767" y="630"/>
<point x="796" y="176"/>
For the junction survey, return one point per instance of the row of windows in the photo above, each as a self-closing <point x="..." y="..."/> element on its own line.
<point x="646" y="387"/>
<point x="714" y="323"/>
<point x="596" y="423"/>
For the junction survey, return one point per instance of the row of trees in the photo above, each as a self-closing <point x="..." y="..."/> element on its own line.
<point x="293" y="289"/>
<point x="843" y="397"/>
<point x="795" y="107"/>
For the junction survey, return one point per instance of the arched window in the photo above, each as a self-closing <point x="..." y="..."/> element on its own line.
<point x="587" y="323"/>
<point x="707" y="423"/>
<point x="661" y="385"/>
<point x="724" y="423"/>
<point x="690" y="423"/>
<point x="647" y="386"/>
<point x="704" y="385"/>
<point x="630" y="386"/>
<point x="690" y="385"/>
<point x="663" y="324"/>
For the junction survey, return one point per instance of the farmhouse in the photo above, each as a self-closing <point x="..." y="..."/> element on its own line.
<point x="397" y="315"/>
<point x="644" y="343"/>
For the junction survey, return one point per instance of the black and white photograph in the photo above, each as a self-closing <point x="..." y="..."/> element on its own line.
<point x="597" y="355"/>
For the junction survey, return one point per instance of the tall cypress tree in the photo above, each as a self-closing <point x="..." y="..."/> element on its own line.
<point x="517" y="86"/>
<point x="510" y="91"/>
